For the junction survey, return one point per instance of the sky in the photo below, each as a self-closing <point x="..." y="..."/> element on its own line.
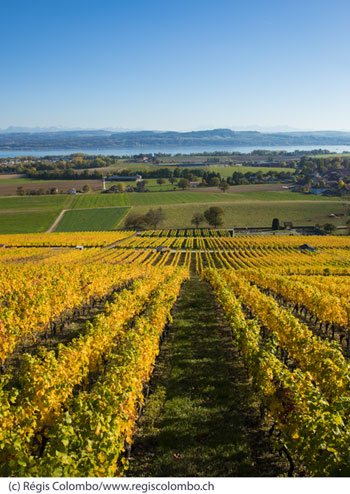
<point x="175" y="64"/>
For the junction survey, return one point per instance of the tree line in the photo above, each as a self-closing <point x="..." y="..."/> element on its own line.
<point x="154" y="218"/>
<point x="66" y="174"/>
<point x="202" y="177"/>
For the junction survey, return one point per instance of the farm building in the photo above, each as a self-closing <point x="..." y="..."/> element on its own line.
<point x="120" y="178"/>
<point x="162" y="249"/>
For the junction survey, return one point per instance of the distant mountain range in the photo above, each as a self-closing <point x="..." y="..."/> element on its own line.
<point x="75" y="139"/>
<point x="31" y="130"/>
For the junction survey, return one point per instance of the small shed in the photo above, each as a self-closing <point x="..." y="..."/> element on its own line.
<point x="162" y="249"/>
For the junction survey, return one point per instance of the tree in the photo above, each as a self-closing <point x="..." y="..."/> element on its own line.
<point x="120" y="188"/>
<point x="160" y="181"/>
<point x="214" y="216"/>
<point x="154" y="217"/>
<point x="20" y="191"/>
<point x="172" y="180"/>
<point x="86" y="188"/>
<point x="135" y="221"/>
<point x="141" y="186"/>
<point x="224" y="186"/>
<point x="328" y="227"/>
<point x="214" y="182"/>
<point x="275" y="224"/>
<point x="197" y="219"/>
<point x="183" y="183"/>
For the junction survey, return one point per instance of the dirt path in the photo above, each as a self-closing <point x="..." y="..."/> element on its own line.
<point x="201" y="418"/>
<point x="59" y="217"/>
<point x="57" y="220"/>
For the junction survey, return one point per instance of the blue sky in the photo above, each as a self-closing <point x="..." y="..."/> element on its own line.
<point x="174" y="64"/>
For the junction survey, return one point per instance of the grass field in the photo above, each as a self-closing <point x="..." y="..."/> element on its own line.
<point x="151" y="185"/>
<point x="282" y="195"/>
<point x="183" y="197"/>
<point x="331" y="155"/>
<point x="227" y="171"/>
<point x="31" y="222"/>
<point x="249" y="205"/>
<point x="52" y="202"/>
<point x="147" y="198"/>
<point x="178" y="197"/>
<point x="91" y="219"/>
<point x="100" y="201"/>
<point x="254" y="213"/>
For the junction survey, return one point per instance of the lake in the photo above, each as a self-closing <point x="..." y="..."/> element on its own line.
<point x="172" y="150"/>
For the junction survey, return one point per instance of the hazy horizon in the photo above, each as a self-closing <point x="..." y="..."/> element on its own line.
<point x="257" y="128"/>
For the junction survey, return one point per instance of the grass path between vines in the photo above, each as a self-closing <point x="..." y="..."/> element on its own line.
<point x="201" y="418"/>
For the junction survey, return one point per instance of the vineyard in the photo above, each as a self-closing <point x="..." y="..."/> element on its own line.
<point x="82" y="321"/>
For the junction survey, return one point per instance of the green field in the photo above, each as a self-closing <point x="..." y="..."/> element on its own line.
<point x="151" y="185"/>
<point x="254" y="213"/>
<point x="183" y="197"/>
<point x="249" y="206"/>
<point x="280" y="195"/>
<point x="31" y="222"/>
<point x="100" y="201"/>
<point x="331" y="155"/>
<point x="91" y="219"/>
<point x="227" y="171"/>
<point x="145" y="198"/>
<point x="176" y="197"/>
<point x="52" y="202"/>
